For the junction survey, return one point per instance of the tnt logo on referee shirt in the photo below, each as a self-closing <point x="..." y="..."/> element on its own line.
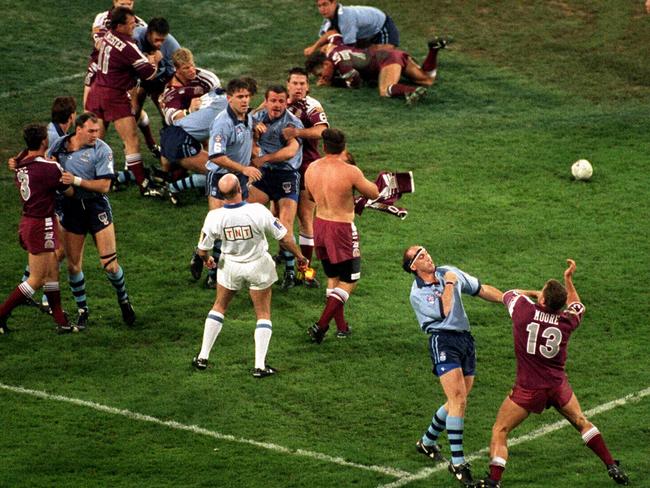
<point x="238" y="233"/>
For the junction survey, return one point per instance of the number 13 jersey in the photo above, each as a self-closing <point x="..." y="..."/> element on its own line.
<point x="541" y="339"/>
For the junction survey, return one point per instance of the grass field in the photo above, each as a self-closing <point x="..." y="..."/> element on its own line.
<point x="526" y="89"/>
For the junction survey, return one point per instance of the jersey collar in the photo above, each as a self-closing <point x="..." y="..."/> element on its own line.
<point x="421" y="283"/>
<point x="234" y="118"/>
<point x="58" y="128"/>
<point x="234" y="205"/>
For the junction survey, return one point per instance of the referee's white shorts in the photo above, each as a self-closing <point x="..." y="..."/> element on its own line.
<point x="258" y="274"/>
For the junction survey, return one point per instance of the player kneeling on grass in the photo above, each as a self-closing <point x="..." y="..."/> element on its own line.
<point x="349" y="66"/>
<point x="244" y="260"/>
<point x="541" y="331"/>
<point x="38" y="180"/>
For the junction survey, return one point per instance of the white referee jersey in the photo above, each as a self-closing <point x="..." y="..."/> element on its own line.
<point x="242" y="228"/>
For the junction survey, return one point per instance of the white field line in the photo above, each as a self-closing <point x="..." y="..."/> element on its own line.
<point x="40" y="84"/>
<point x="404" y="477"/>
<point x="385" y="470"/>
<point x="542" y="431"/>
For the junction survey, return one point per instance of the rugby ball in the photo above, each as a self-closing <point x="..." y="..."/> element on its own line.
<point x="582" y="170"/>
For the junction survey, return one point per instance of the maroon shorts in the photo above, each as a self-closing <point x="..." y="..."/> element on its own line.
<point x="393" y="56"/>
<point x="336" y="241"/>
<point x="38" y="235"/>
<point x="538" y="399"/>
<point x="108" y="104"/>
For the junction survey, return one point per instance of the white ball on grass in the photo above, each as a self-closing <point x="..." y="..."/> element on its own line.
<point x="582" y="170"/>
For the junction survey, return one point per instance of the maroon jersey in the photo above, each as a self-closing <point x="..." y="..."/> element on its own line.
<point x="311" y="113"/>
<point x="541" y="340"/>
<point x="178" y="98"/>
<point x="354" y="64"/>
<point x="121" y="63"/>
<point x="38" y="179"/>
<point x="101" y="25"/>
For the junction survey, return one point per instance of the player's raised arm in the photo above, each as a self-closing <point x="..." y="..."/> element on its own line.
<point x="490" y="293"/>
<point x="321" y="41"/>
<point x="535" y="294"/>
<point x="448" y="292"/>
<point x="572" y="294"/>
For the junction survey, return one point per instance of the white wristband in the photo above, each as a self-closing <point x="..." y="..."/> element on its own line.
<point x="76" y="181"/>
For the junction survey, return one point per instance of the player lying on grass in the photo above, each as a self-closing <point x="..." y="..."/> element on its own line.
<point x="342" y="65"/>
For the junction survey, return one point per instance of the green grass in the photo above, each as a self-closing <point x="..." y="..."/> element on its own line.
<point x="526" y="89"/>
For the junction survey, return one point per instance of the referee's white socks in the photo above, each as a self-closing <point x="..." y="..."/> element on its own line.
<point x="213" y="324"/>
<point x="263" y="331"/>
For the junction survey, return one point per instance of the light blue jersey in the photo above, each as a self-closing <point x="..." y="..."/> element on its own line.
<point x="54" y="131"/>
<point x="355" y="23"/>
<point x="197" y="124"/>
<point x="230" y="137"/>
<point x="89" y="163"/>
<point x="272" y="140"/>
<point x="426" y="299"/>
<point x="169" y="46"/>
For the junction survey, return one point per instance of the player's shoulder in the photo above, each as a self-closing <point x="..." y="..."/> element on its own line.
<point x="256" y="208"/>
<point x="575" y="308"/>
<point x="290" y="117"/>
<point x="513" y="299"/>
<point x="260" y="114"/>
<point x="223" y="119"/>
<point x="133" y="46"/>
<point x="312" y="104"/>
<point x="49" y="164"/>
<point x="170" y="45"/>
<point x="101" y="20"/>
<point x="207" y="77"/>
<point x="257" y="212"/>
<point x="139" y="33"/>
<point x="102" y="147"/>
<point x="215" y="215"/>
<point x="443" y="268"/>
<point x="58" y="145"/>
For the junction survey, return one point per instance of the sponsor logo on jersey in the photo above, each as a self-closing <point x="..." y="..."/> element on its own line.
<point x="217" y="148"/>
<point x="238" y="233"/>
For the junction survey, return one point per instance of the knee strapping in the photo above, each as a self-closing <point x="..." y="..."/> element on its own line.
<point x="108" y="259"/>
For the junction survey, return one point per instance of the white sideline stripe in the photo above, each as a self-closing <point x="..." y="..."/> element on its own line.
<point x="40" y="84"/>
<point x="397" y="473"/>
<point x="542" y="431"/>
